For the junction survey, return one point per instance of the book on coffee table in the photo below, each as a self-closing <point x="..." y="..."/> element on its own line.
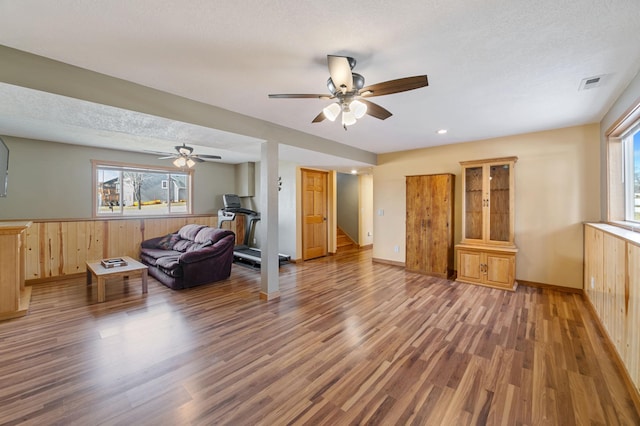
<point x="114" y="262"/>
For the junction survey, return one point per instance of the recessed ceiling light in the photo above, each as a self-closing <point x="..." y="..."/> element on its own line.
<point x="441" y="131"/>
<point x="354" y="172"/>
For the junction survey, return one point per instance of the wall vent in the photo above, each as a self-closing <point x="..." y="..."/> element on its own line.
<point x="591" y="82"/>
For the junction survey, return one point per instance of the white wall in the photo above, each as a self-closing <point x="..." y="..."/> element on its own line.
<point x="50" y="180"/>
<point x="557" y="189"/>
<point x="366" y="210"/>
<point x="347" y="205"/>
<point x="287" y="211"/>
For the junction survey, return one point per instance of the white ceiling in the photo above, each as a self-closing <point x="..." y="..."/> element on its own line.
<point x="495" y="67"/>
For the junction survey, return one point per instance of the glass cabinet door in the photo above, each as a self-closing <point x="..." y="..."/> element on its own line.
<point x="474" y="203"/>
<point x="499" y="202"/>
<point x="488" y="201"/>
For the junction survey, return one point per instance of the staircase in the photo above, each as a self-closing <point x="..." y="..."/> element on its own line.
<point x="343" y="242"/>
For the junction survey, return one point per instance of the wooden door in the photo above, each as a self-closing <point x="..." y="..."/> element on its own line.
<point x="314" y="214"/>
<point x="469" y="266"/>
<point x="499" y="269"/>
<point x="429" y="224"/>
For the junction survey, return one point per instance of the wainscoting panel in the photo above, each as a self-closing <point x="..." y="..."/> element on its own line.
<point x="59" y="248"/>
<point x="612" y="286"/>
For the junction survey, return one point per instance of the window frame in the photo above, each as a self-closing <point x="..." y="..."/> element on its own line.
<point x="123" y="167"/>
<point x="617" y="167"/>
<point x="629" y="173"/>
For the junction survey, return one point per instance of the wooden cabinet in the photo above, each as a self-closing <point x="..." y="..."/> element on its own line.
<point x="493" y="268"/>
<point x="429" y="224"/>
<point x="486" y="255"/>
<point x="14" y="296"/>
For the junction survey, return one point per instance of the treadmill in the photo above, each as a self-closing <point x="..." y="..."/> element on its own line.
<point x="244" y="253"/>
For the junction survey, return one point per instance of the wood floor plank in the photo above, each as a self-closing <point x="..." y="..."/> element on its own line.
<point x="350" y="341"/>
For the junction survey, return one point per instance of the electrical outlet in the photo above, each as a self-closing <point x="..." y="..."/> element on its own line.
<point x="396" y="249"/>
<point x="255" y="241"/>
<point x="593" y="283"/>
<point x="369" y="234"/>
<point x="380" y="212"/>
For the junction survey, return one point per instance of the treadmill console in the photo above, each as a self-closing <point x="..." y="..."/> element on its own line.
<point x="232" y="204"/>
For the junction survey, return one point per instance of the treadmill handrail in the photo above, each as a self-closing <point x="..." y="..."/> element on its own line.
<point x="241" y="210"/>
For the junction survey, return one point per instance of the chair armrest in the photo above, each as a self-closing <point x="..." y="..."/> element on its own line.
<point x="151" y="243"/>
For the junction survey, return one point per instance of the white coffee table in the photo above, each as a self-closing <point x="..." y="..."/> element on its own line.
<point x="95" y="268"/>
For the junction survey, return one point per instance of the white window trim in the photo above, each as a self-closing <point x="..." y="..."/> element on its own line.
<point x="95" y="164"/>
<point x="616" y="205"/>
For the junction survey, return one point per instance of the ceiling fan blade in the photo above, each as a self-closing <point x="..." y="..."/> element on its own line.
<point x="376" y="110"/>
<point x="212" y="157"/>
<point x="157" y="152"/>
<point x="340" y="72"/>
<point x="395" y="86"/>
<point x="167" y="157"/>
<point x="300" y="96"/>
<point x="320" y="117"/>
<point x="196" y="158"/>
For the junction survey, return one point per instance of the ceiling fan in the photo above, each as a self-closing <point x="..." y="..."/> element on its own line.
<point x="349" y="90"/>
<point x="184" y="156"/>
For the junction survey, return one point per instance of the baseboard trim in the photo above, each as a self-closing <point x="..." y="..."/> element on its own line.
<point x="48" y="280"/>
<point x="273" y="296"/>
<point x="388" y="262"/>
<point x="551" y="287"/>
<point x="628" y="381"/>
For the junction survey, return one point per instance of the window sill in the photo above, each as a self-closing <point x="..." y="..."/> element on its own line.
<point x="629" y="226"/>
<point x="628" y="231"/>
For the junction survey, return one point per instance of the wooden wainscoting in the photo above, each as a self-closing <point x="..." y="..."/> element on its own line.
<point x="612" y="288"/>
<point x="56" y="249"/>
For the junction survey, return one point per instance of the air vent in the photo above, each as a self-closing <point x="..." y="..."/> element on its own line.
<point x="591" y="82"/>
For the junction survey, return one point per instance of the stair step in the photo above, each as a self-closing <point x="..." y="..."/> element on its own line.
<point x="343" y="242"/>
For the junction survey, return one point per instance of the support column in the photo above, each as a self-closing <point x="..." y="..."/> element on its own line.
<point x="269" y="268"/>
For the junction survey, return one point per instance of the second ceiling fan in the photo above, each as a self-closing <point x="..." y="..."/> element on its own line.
<point x="184" y="156"/>
<point x="349" y="90"/>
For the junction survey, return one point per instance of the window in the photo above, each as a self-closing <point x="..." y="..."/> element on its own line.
<point x="631" y="155"/>
<point x="623" y="169"/>
<point x="130" y="190"/>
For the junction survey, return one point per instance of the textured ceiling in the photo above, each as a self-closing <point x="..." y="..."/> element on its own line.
<point x="496" y="67"/>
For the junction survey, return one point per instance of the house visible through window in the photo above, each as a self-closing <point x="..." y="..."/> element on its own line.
<point x="126" y="190"/>
<point x="631" y="153"/>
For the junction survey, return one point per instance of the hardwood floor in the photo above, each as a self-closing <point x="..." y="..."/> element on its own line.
<point x="349" y="342"/>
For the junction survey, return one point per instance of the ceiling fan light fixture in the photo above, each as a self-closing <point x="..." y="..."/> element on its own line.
<point x="348" y="118"/>
<point x="190" y="163"/>
<point x="331" y="112"/>
<point x="180" y="162"/>
<point x="358" y="108"/>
